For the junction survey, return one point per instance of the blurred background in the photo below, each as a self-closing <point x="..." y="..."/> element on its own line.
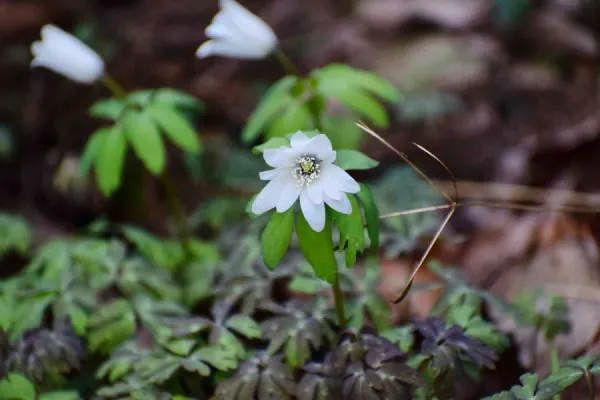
<point x="505" y="92"/>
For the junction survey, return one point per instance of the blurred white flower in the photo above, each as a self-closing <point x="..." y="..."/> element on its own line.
<point x="66" y="55"/>
<point x="306" y="171"/>
<point x="236" y="32"/>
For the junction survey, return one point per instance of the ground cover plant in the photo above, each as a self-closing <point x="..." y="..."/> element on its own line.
<point x="312" y="269"/>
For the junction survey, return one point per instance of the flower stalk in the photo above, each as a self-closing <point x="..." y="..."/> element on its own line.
<point x="338" y="298"/>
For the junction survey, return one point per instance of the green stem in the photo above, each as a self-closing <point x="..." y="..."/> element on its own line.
<point x="338" y="298"/>
<point x="287" y="64"/>
<point x="177" y="214"/>
<point x="114" y="86"/>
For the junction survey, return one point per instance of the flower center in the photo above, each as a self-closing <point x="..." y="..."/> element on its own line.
<point x="306" y="169"/>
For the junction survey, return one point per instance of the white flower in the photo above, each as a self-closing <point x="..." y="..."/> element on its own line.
<point x="66" y="55"/>
<point x="237" y="33"/>
<point x="306" y="171"/>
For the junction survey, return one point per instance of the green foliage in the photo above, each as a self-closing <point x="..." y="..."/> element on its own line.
<point x="138" y="121"/>
<point x="352" y="232"/>
<point x="356" y="89"/>
<point x="351" y="159"/>
<point x="15" y="234"/>
<point x="295" y="103"/>
<point x="317" y="248"/>
<point x="543" y="311"/>
<point x="17" y="387"/>
<point x="297" y="329"/>
<point x="511" y="12"/>
<point x="276" y="237"/>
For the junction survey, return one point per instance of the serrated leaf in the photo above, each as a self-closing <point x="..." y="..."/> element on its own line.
<point x="216" y="357"/>
<point x="110" y="159"/>
<point x="175" y="126"/>
<point x="276" y="237"/>
<point x="317" y="248"/>
<point x="142" y="132"/>
<point x="296" y="117"/>
<point x="244" y="325"/>
<point x="352" y="232"/>
<point x="108" y="108"/>
<point x="92" y="150"/>
<point x="354" y="160"/>
<point x="371" y="214"/>
<point x="17" y="387"/>
<point x="273" y="143"/>
<point x="274" y="100"/>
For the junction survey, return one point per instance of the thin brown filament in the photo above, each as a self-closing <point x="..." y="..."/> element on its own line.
<point x="453" y="203"/>
<point x="403" y="156"/>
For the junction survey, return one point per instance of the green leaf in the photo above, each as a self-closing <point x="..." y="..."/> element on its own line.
<point x="15" y="234"/>
<point x="108" y="108"/>
<point x="352" y="159"/>
<point x="143" y="134"/>
<point x="296" y="117"/>
<point x="62" y="395"/>
<point x="352" y="232"/>
<point x="273" y="143"/>
<point x="342" y="131"/>
<point x="92" y="150"/>
<point x="276" y="237"/>
<point x="110" y="159"/>
<point x="176" y="127"/>
<point x="17" y="387"/>
<point x="358" y="101"/>
<point x="111" y="325"/>
<point x="166" y="96"/>
<point x="274" y="100"/>
<point x="371" y="214"/>
<point x="244" y="325"/>
<point x="317" y="248"/>
<point x="365" y="80"/>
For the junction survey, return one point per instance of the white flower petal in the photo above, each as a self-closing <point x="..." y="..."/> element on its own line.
<point x="289" y="195"/>
<point x="315" y="191"/>
<point x="278" y="158"/>
<point x="330" y="186"/>
<point x="66" y="55"/>
<point x="345" y="181"/>
<point x="319" y="146"/>
<point x="298" y="139"/>
<point x="268" y="175"/>
<point x="313" y="213"/>
<point x="237" y="33"/>
<point x="342" y="205"/>
<point x="227" y="49"/>
<point x="268" y="196"/>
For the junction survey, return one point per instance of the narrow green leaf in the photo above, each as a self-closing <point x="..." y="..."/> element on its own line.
<point x="371" y="214"/>
<point x="317" y="248"/>
<point x="176" y="127"/>
<point x="353" y="159"/>
<point x="16" y="387"/>
<point x="274" y="100"/>
<point x="61" y="395"/>
<point x="296" y="117"/>
<point x="108" y="108"/>
<point x="273" y="143"/>
<point x="92" y="149"/>
<point x="352" y="232"/>
<point x="143" y="134"/>
<point x="110" y="159"/>
<point x="276" y="237"/>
